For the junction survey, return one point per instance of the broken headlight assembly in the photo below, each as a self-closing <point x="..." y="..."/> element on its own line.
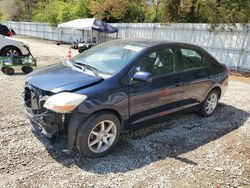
<point x="64" y="102"/>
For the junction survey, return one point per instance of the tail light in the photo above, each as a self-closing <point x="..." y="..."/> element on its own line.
<point x="9" y="34"/>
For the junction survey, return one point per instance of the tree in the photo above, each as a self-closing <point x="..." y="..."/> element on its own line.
<point x="57" y="11"/>
<point x="154" y="11"/>
<point x="171" y="10"/>
<point x="214" y="12"/>
<point x="80" y="10"/>
<point x="118" y="10"/>
<point x="223" y="12"/>
<point x="156" y="4"/>
<point x="17" y="10"/>
<point x="180" y="11"/>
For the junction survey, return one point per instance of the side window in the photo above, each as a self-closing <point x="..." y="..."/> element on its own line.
<point x="192" y="59"/>
<point x="157" y="63"/>
<point x="214" y="67"/>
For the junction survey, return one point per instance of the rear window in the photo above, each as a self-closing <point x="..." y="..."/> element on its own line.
<point x="192" y="59"/>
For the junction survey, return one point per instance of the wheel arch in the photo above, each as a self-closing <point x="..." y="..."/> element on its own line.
<point x="217" y="88"/>
<point x="90" y="117"/>
<point x="10" y="46"/>
<point x="109" y="110"/>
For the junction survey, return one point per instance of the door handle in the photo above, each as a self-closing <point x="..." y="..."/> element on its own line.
<point x="208" y="76"/>
<point x="178" y="83"/>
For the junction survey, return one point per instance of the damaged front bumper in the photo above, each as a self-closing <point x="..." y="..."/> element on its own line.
<point x="42" y="119"/>
<point x="47" y="123"/>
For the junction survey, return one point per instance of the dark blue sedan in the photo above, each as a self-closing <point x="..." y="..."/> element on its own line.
<point x="114" y="87"/>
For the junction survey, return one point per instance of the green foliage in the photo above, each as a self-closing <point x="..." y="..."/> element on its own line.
<point x="57" y="11"/>
<point x="220" y="13"/>
<point x="155" y="11"/>
<point x="214" y="12"/>
<point x="50" y="12"/>
<point x="180" y="11"/>
<point x="80" y="10"/>
<point x="118" y="10"/>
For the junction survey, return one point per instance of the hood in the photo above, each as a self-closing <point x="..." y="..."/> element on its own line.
<point x="13" y="39"/>
<point x="58" y="77"/>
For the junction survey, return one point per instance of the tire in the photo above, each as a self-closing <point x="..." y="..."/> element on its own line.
<point x="8" y="70"/>
<point x="91" y="145"/>
<point x="3" y="69"/>
<point x="11" y="52"/>
<point x="209" y="106"/>
<point x="80" y="50"/>
<point x="27" y="69"/>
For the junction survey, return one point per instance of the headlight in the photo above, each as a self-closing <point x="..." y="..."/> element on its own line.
<point x="64" y="102"/>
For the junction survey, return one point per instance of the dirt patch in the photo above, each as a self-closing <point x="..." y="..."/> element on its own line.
<point x="240" y="76"/>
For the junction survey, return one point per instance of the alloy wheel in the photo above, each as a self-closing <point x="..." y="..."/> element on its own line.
<point x="102" y="136"/>
<point x="12" y="53"/>
<point x="211" y="103"/>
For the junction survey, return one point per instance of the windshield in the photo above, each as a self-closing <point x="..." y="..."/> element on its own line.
<point x="109" y="57"/>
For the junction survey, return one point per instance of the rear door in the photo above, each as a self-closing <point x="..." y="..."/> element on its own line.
<point x="196" y="76"/>
<point x="163" y="94"/>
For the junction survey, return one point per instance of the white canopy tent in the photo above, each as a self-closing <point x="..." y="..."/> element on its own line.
<point x="80" y="24"/>
<point x="88" y="24"/>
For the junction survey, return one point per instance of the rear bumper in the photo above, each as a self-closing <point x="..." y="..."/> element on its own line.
<point x="224" y="86"/>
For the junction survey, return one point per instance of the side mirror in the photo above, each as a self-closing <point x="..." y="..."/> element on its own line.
<point x="143" y="76"/>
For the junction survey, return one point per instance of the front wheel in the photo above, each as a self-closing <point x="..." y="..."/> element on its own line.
<point x="98" y="135"/>
<point x="8" y="70"/>
<point x="209" y="105"/>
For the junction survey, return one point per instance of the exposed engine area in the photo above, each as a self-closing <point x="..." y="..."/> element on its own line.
<point x="43" y="120"/>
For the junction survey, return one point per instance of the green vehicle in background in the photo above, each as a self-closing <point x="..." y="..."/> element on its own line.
<point x="24" y="63"/>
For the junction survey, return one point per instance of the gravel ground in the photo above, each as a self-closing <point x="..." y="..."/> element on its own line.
<point x="185" y="151"/>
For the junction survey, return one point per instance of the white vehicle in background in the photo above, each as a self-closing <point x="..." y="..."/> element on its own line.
<point x="12" y="47"/>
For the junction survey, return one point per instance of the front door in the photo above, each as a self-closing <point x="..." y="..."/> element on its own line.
<point x="162" y="95"/>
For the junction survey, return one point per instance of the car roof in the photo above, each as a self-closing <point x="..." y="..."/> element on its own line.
<point x="154" y="42"/>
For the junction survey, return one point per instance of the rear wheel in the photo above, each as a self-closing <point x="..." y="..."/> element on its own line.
<point x="80" y="50"/>
<point x="209" y="105"/>
<point x="98" y="135"/>
<point x="27" y="69"/>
